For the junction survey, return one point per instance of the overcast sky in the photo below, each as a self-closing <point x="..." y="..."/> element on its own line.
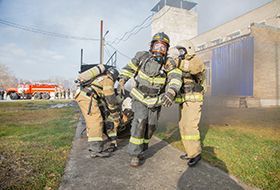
<point x="34" y="56"/>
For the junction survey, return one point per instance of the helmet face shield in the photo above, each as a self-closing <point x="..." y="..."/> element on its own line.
<point x="182" y="52"/>
<point x="159" y="48"/>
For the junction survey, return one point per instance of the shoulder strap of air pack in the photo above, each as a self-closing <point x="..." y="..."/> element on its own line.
<point x="143" y="60"/>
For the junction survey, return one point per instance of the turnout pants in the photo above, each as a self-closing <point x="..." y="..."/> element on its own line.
<point x="190" y="113"/>
<point x="94" y="121"/>
<point x="143" y="126"/>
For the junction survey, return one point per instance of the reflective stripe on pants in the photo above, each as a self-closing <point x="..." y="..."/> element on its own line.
<point x="189" y="97"/>
<point x="190" y="113"/>
<point x="94" y="121"/>
<point x="143" y="125"/>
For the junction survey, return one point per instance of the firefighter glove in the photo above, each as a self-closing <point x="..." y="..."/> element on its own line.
<point x="115" y="117"/>
<point x="167" y="98"/>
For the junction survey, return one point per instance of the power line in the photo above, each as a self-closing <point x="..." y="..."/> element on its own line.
<point x="44" y="32"/>
<point x="124" y="55"/>
<point x="134" y="33"/>
<point x="107" y="52"/>
<point x="139" y="29"/>
<point x="143" y="26"/>
<point x="118" y="40"/>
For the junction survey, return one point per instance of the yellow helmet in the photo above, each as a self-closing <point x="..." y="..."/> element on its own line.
<point x="188" y="46"/>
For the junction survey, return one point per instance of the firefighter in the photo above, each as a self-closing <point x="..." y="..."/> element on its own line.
<point x="157" y="81"/>
<point x="190" y="99"/>
<point x="98" y="89"/>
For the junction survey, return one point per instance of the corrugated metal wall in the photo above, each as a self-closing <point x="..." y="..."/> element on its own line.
<point x="232" y="68"/>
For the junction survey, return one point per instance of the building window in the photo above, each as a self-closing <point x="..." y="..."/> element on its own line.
<point x="208" y="73"/>
<point x="234" y="35"/>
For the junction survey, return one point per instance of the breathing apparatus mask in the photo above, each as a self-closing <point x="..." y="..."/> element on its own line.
<point x="159" y="47"/>
<point x="159" y="51"/>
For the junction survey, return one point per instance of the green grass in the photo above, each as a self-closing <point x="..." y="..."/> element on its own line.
<point x="248" y="151"/>
<point x="35" y="141"/>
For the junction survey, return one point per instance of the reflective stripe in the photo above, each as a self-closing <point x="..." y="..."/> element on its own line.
<point x="95" y="84"/>
<point x="190" y="97"/>
<point x="175" y="71"/>
<point x="90" y="139"/>
<point x="113" y="134"/>
<point x="146" y="141"/>
<point x="93" y="72"/>
<point x="126" y="73"/>
<point x="150" y="102"/>
<point x="132" y="66"/>
<point x="190" y="137"/>
<point x="152" y="80"/>
<point x="166" y="39"/>
<point x="136" y="141"/>
<point x="176" y="82"/>
<point x="179" y="100"/>
<point x="108" y="87"/>
<point x="112" y="107"/>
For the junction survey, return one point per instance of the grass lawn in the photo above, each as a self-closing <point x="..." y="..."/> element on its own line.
<point x="35" y="141"/>
<point x="242" y="142"/>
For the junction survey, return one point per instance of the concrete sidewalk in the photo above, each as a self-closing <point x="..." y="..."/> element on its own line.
<point x="162" y="170"/>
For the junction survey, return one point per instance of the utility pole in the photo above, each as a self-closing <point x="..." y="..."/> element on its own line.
<point x="82" y="54"/>
<point x="101" y="43"/>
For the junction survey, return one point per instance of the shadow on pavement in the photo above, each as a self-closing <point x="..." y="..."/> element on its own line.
<point x="154" y="149"/>
<point x="203" y="176"/>
<point x="209" y="152"/>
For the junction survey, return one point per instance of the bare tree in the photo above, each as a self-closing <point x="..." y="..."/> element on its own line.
<point x="7" y="79"/>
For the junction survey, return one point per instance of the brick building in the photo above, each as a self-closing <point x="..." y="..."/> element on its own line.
<point x="241" y="56"/>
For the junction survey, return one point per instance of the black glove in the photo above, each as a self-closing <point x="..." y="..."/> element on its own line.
<point x="167" y="99"/>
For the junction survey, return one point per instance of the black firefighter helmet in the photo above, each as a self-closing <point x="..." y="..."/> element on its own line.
<point x="159" y="45"/>
<point x="113" y="72"/>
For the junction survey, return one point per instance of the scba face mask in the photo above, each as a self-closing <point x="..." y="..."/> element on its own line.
<point x="159" y="48"/>
<point x="159" y="51"/>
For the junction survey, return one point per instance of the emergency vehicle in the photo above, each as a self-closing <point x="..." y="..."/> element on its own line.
<point x="36" y="90"/>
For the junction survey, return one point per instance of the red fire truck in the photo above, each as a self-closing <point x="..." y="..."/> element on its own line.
<point x="36" y="90"/>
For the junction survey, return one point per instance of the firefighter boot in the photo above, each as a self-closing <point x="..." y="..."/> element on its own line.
<point x="135" y="161"/>
<point x="96" y="150"/>
<point x="193" y="161"/>
<point x="141" y="156"/>
<point x="113" y="146"/>
<point x="184" y="157"/>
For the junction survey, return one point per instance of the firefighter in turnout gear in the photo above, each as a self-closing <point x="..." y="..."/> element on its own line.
<point x="157" y="82"/>
<point x="190" y="99"/>
<point x="97" y="93"/>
